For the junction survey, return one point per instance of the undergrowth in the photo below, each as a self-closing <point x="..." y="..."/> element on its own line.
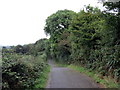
<point x="42" y="80"/>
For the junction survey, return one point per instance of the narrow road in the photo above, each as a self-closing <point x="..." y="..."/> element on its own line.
<point x="61" y="77"/>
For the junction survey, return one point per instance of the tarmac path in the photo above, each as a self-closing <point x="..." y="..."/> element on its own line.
<point x="62" y="77"/>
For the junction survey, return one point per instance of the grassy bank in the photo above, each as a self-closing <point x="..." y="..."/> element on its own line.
<point x="107" y="82"/>
<point x="42" y="80"/>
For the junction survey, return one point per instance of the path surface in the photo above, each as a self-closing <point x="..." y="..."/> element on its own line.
<point x="61" y="77"/>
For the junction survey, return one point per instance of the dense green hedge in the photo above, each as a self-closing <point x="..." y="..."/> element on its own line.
<point x="21" y="71"/>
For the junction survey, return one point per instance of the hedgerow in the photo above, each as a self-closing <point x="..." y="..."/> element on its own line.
<point x="21" y="71"/>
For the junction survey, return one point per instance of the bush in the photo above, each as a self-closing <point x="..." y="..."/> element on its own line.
<point x="21" y="71"/>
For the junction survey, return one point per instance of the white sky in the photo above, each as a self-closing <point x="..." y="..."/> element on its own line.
<point x="22" y="21"/>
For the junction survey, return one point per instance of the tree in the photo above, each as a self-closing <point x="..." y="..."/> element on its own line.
<point x="113" y="20"/>
<point x="19" y="49"/>
<point x="58" y="22"/>
<point x="115" y="6"/>
<point x="85" y="32"/>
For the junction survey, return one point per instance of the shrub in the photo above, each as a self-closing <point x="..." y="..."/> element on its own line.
<point x="21" y="71"/>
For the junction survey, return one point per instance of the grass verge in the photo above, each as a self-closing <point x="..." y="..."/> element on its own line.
<point x="107" y="82"/>
<point x="42" y="80"/>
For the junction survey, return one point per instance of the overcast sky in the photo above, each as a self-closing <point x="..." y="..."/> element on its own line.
<point x="22" y="21"/>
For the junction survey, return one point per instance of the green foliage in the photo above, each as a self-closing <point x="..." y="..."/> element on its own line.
<point x="115" y="6"/>
<point x="21" y="71"/>
<point x="90" y="37"/>
<point x="41" y="81"/>
<point x="34" y="49"/>
<point x="23" y="65"/>
<point x="56" y="26"/>
<point x="58" y="22"/>
<point x="85" y="33"/>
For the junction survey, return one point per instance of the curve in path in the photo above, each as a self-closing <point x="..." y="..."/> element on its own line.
<point x="61" y="77"/>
